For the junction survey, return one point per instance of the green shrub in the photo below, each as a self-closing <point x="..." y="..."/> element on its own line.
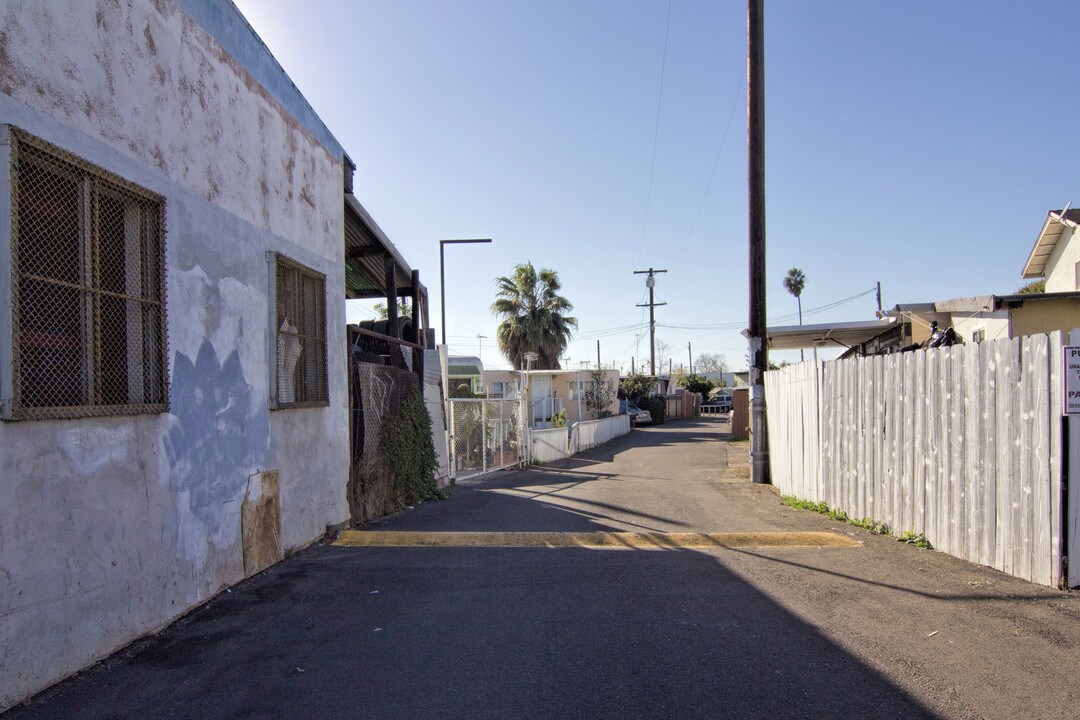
<point x="657" y="407"/>
<point x="410" y="452"/>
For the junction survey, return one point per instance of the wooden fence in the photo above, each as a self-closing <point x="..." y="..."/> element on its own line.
<point x="962" y="444"/>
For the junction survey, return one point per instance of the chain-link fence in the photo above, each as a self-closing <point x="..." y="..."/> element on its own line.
<point x="88" y="288"/>
<point x="485" y="435"/>
<point x="382" y="370"/>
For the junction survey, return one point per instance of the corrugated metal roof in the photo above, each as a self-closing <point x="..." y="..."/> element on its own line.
<point x="366" y="247"/>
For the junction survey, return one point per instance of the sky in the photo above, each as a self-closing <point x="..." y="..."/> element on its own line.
<point x="917" y="143"/>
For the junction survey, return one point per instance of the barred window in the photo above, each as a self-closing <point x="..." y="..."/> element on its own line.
<point x="88" y="288"/>
<point x="300" y="329"/>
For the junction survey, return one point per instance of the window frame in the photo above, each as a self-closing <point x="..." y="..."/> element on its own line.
<point x="93" y="183"/>
<point x="274" y="261"/>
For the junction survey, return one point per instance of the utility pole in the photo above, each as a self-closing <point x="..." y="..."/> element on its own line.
<point x="755" y="130"/>
<point x="690" y="353"/>
<point x="879" y="298"/>
<point x="598" y="365"/>
<point x="632" y="365"/>
<point x="650" y="282"/>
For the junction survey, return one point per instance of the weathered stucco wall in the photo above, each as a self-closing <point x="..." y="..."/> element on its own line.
<point x="1061" y="272"/>
<point x="996" y="324"/>
<point x="110" y="528"/>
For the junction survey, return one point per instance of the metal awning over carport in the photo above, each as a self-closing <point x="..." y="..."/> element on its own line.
<point x="375" y="269"/>
<point x="846" y="335"/>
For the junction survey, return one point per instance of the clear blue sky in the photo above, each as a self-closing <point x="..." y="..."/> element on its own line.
<point x="916" y="143"/>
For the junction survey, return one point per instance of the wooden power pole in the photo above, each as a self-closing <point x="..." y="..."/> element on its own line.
<point x="755" y="124"/>
<point x="650" y="282"/>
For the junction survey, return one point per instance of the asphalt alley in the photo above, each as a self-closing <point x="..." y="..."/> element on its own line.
<point x="646" y="579"/>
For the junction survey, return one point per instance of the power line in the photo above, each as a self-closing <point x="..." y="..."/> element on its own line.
<point x="738" y="325"/>
<point x="656" y="131"/>
<point x="716" y="163"/>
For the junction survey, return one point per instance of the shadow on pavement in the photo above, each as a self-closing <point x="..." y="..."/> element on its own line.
<point x="485" y="633"/>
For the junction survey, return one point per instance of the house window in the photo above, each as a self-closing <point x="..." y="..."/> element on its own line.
<point x="300" y="335"/>
<point x="978" y="335"/>
<point x="88" y="288"/>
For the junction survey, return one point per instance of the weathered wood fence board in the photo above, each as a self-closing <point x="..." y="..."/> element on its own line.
<point x="963" y="444"/>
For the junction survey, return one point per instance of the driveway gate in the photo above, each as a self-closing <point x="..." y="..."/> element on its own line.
<point x="485" y="435"/>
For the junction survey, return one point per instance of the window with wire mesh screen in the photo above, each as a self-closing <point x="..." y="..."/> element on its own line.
<point x="300" y="328"/>
<point x="88" y="288"/>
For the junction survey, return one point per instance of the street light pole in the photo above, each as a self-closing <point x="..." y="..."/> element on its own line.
<point x="442" y="276"/>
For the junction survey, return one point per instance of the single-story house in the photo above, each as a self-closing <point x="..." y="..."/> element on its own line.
<point x="552" y="391"/>
<point x="467" y="370"/>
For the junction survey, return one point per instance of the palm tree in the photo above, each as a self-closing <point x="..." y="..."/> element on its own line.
<point x="534" y="316"/>
<point x="794" y="284"/>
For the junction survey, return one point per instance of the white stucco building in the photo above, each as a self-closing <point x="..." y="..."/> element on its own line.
<point x="172" y="347"/>
<point x="1056" y="253"/>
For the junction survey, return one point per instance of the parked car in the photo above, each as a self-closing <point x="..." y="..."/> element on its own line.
<point x="722" y="402"/>
<point x="637" y="415"/>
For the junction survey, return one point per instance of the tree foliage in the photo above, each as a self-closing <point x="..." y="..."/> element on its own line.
<point x="663" y="352"/>
<point x="1035" y="287"/>
<point x="634" y="387"/>
<point x="535" y="318"/>
<point x="712" y="363"/>
<point x="598" y="395"/>
<point x="403" y="309"/>
<point x="696" y="383"/>
<point x="795" y="281"/>
<point x="461" y="389"/>
<point x="657" y="407"/>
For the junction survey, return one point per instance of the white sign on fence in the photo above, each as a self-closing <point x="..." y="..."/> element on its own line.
<point x="1072" y="380"/>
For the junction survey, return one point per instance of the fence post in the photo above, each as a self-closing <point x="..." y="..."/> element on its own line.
<point x="1071" y="508"/>
<point x="451" y="448"/>
<point x="483" y="435"/>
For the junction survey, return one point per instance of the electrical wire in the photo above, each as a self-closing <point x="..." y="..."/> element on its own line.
<point x="716" y="163"/>
<point x="656" y="132"/>
<point x="738" y="325"/>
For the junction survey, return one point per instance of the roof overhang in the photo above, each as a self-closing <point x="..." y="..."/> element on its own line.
<point x="1057" y="222"/>
<point x="367" y="249"/>
<point x="795" y="337"/>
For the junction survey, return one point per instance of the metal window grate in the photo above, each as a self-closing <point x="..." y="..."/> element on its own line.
<point x="300" y="329"/>
<point x="88" y="288"/>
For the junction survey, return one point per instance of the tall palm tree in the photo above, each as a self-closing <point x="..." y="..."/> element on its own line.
<point x="794" y="284"/>
<point x="534" y="316"/>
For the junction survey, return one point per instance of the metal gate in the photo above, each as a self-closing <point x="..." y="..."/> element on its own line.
<point x="485" y="435"/>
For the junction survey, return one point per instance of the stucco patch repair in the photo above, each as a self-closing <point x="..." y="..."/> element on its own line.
<point x="88" y="449"/>
<point x="218" y="436"/>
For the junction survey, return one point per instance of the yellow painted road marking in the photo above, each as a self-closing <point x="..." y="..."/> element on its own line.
<point x="605" y="540"/>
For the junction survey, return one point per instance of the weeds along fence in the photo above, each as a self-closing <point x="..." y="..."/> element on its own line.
<point x="963" y="444"/>
<point x="382" y="371"/>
